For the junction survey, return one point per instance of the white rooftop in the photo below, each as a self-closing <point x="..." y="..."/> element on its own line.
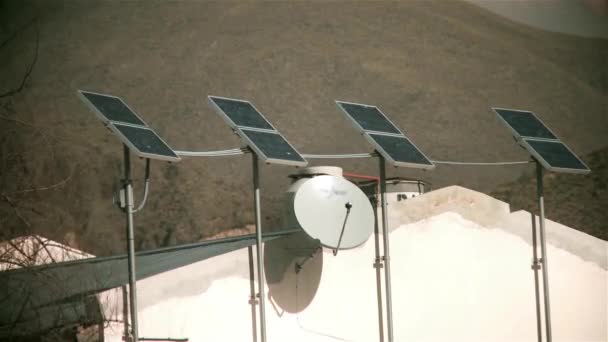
<point x="461" y="272"/>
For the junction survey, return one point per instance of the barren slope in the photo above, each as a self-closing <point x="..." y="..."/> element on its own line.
<point x="435" y="67"/>
<point x="573" y="200"/>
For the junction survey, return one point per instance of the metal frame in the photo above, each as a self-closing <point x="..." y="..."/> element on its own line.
<point x="382" y="157"/>
<point x="495" y="109"/>
<point x="545" y="164"/>
<point x="129" y="207"/>
<point x="387" y="156"/>
<point x="256" y="200"/>
<point x="135" y="150"/>
<point x="540" y="164"/>
<point x="227" y="118"/>
<point x="99" y="114"/>
<point x="257" y="152"/>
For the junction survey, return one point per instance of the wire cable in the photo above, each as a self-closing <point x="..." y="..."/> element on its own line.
<point x="340" y="156"/>
<point x="146" y="187"/>
<point x="446" y="162"/>
<point x="219" y="153"/>
<point x="310" y="330"/>
<point x="244" y="150"/>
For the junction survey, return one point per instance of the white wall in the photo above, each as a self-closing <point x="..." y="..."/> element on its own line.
<point x="454" y="279"/>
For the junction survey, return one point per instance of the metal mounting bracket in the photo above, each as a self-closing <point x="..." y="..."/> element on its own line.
<point x="299" y="265"/>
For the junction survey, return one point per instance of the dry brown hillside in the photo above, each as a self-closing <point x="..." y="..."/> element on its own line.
<point x="573" y="200"/>
<point x="435" y="67"/>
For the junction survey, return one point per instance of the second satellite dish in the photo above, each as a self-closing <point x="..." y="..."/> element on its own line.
<point x="332" y="210"/>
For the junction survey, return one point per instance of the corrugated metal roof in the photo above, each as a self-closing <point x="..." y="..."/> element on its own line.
<point x="25" y="290"/>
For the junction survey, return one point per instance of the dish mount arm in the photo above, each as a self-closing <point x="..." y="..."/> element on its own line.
<point x="348" y="206"/>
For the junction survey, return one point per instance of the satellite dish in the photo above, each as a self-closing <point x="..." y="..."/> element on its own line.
<point x="332" y="210"/>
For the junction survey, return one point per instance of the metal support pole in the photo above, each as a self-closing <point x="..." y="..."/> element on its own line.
<point x="387" y="259"/>
<point x="125" y="310"/>
<point x="543" y="249"/>
<point x="535" y="268"/>
<point x="252" y="300"/>
<point x="130" y="243"/>
<point x="378" y="266"/>
<point x="258" y="233"/>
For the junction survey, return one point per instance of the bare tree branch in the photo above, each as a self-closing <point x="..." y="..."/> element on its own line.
<point x="14" y="34"/>
<point x="48" y="141"/>
<point x="29" y="70"/>
<point x="20" y="250"/>
<point x="12" y="204"/>
<point x="45" y="247"/>
<point x="20" y="312"/>
<point x="47" y="137"/>
<point x="50" y="187"/>
<point x="18" y="121"/>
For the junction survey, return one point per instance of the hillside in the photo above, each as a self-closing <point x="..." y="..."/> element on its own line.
<point x="573" y="200"/>
<point x="435" y="67"/>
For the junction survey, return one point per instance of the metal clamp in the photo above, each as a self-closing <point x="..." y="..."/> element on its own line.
<point x="299" y="265"/>
<point x="118" y="199"/>
<point x="536" y="264"/>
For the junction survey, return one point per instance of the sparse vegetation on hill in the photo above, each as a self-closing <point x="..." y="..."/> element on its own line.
<point x="435" y="67"/>
<point x="574" y="200"/>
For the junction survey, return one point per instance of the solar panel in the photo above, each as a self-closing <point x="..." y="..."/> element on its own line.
<point x="240" y="113"/>
<point x="368" y="118"/>
<point x="400" y="151"/>
<point x="555" y="156"/>
<point x="540" y="141"/>
<point x="272" y="147"/>
<point x="525" y="124"/>
<point x="110" y="108"/>
<point x="144" y="142"/>
<point x="388" y="140"/>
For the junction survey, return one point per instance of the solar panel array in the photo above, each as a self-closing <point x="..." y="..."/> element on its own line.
<point x="272" y="147"/>
<point x="128" y="126"/>
<point x="256" y="131"/>
<point x="388" y="140"/>
<point x="540" y="141"/>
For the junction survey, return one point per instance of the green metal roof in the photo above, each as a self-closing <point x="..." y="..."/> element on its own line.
<point x="25" y="291"/>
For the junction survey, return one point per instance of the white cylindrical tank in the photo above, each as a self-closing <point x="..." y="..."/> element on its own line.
<point x="397" y="189"/>
<point x="312" y="171"/>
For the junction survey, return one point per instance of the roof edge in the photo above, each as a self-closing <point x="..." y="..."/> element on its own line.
<point x="493" y="213"/>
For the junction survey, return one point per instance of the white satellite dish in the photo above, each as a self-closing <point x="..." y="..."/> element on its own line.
<point x="332" y="210"/>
